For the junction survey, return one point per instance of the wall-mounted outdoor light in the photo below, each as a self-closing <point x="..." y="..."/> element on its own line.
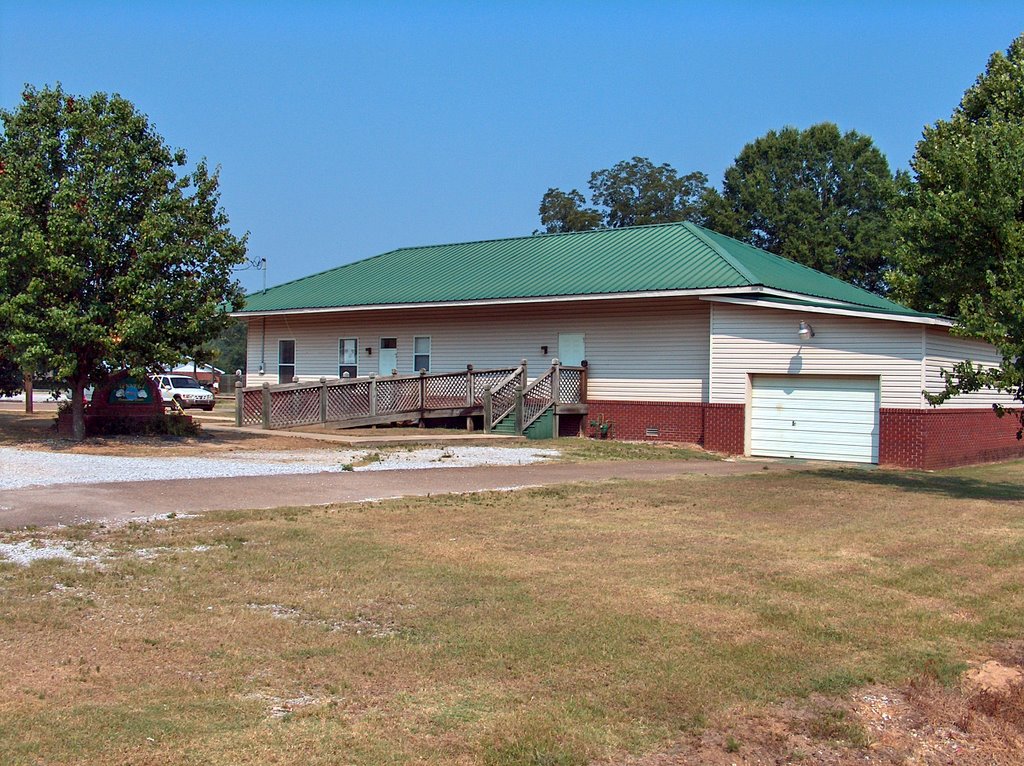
<point x="369" y="350"/>
<point x="544" y="350"/>
<point x="806" y="332"/>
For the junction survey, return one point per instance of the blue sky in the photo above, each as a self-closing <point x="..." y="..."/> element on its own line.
<point x="348" y="129"/>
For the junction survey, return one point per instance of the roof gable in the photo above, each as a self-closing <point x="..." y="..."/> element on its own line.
<point x="640" y="259"/>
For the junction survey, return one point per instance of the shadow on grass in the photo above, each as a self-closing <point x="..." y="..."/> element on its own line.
<point x="961" y="487"/>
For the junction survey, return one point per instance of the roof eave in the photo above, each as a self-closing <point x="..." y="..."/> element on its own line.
<point x="696" y="292"/>
<point x="863" y="313"/>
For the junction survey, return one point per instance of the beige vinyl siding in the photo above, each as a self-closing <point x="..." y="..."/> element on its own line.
<point x="651" y="349"/>
<point x="748" y="340"/>
<point x="644" y="390"/>
<point x="943" y="350"/>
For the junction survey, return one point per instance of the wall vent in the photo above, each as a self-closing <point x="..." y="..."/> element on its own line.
<point x="652" y="432"/>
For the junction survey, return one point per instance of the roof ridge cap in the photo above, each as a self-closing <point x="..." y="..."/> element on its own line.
<point x="536" y="236"/>
<point x="738" y="267"/>
<point x="438" y="245"/>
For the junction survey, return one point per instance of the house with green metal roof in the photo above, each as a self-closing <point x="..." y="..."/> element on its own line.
<point x="686" y="334"/>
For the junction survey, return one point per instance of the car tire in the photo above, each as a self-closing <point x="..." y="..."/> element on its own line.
<point x="208" y="408"/>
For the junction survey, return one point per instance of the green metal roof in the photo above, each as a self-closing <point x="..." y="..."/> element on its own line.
<point x="662" y="257"/>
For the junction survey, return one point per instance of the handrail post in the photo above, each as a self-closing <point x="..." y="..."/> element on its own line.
<point x="526" y="378"/>
<point x="373" y="394"/>
<point x="423" y="397"/>
<point x="323" y="400"/>
<point x="556" y="386"/>
<point x="556" y="380"/>
<point x="583" y="381"/>
<point x="266" y="405"/>
<point x="470" y="395"/>
<point x="488" y="409"/>
<point x="519" y="410"/>
<point x="239" y="403"/>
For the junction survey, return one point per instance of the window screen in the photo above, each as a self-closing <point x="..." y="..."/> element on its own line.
<point x="348" y="359"/>
<point x="421" y="353"/>
<point x="285" y="361"/>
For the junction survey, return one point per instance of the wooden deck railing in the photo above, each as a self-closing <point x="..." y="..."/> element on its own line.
<point x="352" y="402"/>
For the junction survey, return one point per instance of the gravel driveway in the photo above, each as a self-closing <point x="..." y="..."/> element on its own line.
<point x="25" y="468"/>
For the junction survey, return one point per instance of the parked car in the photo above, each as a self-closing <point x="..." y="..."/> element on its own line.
<point x="186" y="391"/>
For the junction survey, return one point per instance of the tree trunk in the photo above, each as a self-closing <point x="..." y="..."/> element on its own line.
<point x="29" y="405"/>
<point x="78" y="409"/>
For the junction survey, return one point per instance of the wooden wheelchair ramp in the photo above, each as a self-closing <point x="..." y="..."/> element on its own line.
<point x="503" y="398"/>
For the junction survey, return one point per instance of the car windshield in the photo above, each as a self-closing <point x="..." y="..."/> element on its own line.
<point x="185" y="383"/>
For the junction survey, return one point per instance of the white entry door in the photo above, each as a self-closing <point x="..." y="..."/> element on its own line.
<point x="819" y="418"/>
<point x="571" y="348"/>
<point x="387" y="359"/>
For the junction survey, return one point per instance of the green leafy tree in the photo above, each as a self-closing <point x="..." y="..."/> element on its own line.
<point x="997" y="317"/>
<point x="962" y="233"/>
<point x="630" y="193"/>
<point x="11" y="378"/>
<point x="229" y="347"/>
<point x="816" y="196"/>
<point x="637" y="192"/>
<point x="567" y="211"/>
<point x="111" y="255"/>
<point x="965" y="217"/>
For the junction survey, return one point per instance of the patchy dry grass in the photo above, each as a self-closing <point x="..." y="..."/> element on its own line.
<point x="548" y="626"/>
<point x="579" y="450"/>
<point x="38" y="432"/>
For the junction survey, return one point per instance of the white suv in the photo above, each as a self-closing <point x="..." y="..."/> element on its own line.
<point x="185" y="390"/>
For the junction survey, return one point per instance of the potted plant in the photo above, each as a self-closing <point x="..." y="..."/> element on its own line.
<point x="602" y="426"/>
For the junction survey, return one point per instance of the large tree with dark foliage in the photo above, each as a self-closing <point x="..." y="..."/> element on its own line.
<point x="630" y="193"/>
<point x="567" y="211"/>
<point x="965" y="217"/>
<point x="111" y="255"/>
<point x="817" y="196"/>
<point x="229" y="347"/>
<point x="11" y="378"/>
<point x="962" y="246"/>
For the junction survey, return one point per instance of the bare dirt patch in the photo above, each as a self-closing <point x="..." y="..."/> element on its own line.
<point x="994" y="676"/>
<point x="978" y="722"/>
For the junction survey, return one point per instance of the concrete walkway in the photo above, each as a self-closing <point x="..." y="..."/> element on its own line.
<point x="122" y="501"/>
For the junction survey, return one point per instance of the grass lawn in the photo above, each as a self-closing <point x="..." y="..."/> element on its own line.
<point x="549" y="626"/>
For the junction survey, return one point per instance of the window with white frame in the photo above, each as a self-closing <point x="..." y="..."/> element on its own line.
<point x="421" y="353"/>
<point x="348" y="357"/>
<point x="285" y="361"/>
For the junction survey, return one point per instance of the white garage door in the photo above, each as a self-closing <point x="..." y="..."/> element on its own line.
<point x="821" y="418"/>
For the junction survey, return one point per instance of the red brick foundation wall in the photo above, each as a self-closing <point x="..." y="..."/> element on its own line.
<point x="725" y="428"/>
<point x="675" y="421"/>
<point x="930" y="439"/>
<point x="908" y="438"/>
<point x="718" y="427"/>
<point x="901" y="437"/>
